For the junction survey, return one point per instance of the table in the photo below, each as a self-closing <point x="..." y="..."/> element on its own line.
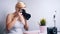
<point x="34" y="32"/>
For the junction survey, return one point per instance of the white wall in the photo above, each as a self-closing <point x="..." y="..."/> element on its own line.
<point x="37" y="8"/>
<point x="43" y="9"/>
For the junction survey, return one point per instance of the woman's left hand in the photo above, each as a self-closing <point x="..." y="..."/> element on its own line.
<point x="21" y="18"/>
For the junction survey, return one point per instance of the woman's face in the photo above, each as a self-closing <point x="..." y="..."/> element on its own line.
<point x="19" y="6"/>
<point x="19" y="10"/>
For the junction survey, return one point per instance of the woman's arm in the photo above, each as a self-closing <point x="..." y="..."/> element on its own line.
<point x="26" y="25"/>
<point x="10" y="22"/>
<point x="24" y="21"/>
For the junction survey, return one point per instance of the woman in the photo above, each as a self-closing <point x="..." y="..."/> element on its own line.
<point x="16" y="21"/>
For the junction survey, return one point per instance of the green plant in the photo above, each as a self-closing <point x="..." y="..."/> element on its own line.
<point x="42" y="22"/>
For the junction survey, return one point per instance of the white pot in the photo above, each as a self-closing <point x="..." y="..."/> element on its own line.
<point x="43" y="29"/>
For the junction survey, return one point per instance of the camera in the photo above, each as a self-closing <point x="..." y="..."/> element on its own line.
<point x="52" y="30"/>
<point x="26" y="15"/>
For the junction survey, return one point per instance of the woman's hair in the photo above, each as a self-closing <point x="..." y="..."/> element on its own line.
<point x="20" y="5"/>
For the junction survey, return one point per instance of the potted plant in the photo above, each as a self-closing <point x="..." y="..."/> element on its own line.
<point x="43" y="25"/>
<point x="43" y="22"/>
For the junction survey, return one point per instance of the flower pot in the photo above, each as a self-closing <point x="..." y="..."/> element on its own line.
<point x="43" y="29"/>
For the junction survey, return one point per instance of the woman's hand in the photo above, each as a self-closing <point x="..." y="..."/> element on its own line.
<point x="10" y="21"/>
<point x="24" y="21"/>
<point x="19" y="14"/>
<point x="21" y="18"/>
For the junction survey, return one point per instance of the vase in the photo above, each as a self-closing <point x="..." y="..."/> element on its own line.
<point x="43" y="29"/>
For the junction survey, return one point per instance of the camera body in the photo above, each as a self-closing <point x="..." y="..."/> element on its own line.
<point x="52" y="30"/>
<point x="26" y="15"/>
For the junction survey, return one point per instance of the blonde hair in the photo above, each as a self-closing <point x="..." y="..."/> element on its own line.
<point x="20" y="5"/>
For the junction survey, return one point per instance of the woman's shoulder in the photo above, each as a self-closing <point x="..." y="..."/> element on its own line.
<point x="11" y="14"/>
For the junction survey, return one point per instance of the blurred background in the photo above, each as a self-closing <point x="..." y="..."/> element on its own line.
<point x="37" y="8"/>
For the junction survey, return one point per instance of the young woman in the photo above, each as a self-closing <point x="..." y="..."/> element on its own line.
<point x="15" y="22"/>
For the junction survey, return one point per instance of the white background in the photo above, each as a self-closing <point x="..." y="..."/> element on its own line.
<point x="37" y="8"/>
